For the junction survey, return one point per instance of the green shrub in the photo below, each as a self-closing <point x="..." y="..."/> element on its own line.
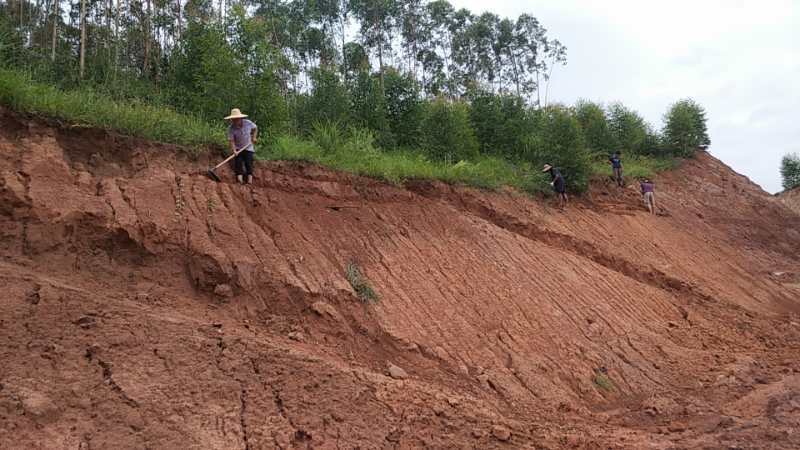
<point x="603" y="381"/>
<point x="328" y="135"/>
<point x="594" y="126"/>
<point x="360" y="284"/>
<point x="446" y="132"/>
<point x="500" y="122"/>
<point x="685" y="127"/>
<point x="790" y="171"/>
<point x="369" y="106"/>
<point x="403" y="109"/>
<point x="628" y="129"/>
<point x="557" y="140"/>
<point x="12" y="43"/>
<point x="328" y="102"/>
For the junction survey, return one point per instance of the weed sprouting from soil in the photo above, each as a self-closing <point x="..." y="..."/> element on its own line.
<point x="360" y="284"/>
<point x="603" y="381"/>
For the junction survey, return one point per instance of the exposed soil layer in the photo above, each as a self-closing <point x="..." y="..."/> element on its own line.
<point x="791" y="199"/>
<point x="146" y="306"/>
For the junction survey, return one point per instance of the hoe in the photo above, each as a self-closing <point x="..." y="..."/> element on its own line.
<point x="211" y="174"/>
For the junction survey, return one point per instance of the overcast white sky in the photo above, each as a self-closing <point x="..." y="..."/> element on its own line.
<point x="739" y="59"/>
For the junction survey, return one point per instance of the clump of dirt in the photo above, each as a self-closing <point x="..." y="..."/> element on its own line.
<point x="147" y="306"/>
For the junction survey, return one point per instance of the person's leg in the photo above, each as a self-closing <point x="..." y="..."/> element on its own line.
<point x="648" y="198"/>
<point x="238" y="166"/>
<point x="621" y="180"/>
<point x="616" y="175"/>
<point x="653" y="203"/>
<point x="248" y="166"/>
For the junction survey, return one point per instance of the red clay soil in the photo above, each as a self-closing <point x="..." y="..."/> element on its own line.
<point x="791" y="199"/>
<point x="145" y="306"/>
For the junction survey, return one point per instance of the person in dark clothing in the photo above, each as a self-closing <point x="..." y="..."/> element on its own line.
<point x="558" y="183"/>
<point x="649" y="195"/>
<point x="616" y="166"/>
<point x="242" y="135"/>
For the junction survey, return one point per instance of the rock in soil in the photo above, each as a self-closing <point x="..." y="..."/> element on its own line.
<point x="397" y="373"/>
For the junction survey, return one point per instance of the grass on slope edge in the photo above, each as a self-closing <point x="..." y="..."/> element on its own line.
<point x="356" y="153"/>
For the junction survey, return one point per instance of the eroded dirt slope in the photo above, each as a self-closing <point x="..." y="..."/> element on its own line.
<point x="791" y="199"/>
<point x="148" y="307"/>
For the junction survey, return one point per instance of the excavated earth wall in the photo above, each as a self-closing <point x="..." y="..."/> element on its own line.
<point x="145" y="306"/>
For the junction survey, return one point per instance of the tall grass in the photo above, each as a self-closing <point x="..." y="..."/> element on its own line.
<point x="352" y="150"/>
<point x="87" y="107"/>
<point x="635" y="166"/>
<point x="357" y="154"/>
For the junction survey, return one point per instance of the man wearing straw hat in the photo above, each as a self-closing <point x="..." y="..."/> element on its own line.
<point x="242" y="134"/>
<point x="558" y="184"/>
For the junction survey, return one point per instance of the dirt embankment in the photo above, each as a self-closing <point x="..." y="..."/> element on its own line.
<point x="147" y="307"/>
<point x="791" y="199"/>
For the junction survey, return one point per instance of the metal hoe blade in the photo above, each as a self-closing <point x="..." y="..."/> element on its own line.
<point x="213" y="175"/>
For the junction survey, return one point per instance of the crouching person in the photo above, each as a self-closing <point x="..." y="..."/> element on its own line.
<point x="242" y="135"/>
<point x="558" y="183"/>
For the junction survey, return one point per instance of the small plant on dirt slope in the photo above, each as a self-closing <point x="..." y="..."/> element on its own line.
<point x="328" y="135"/>
<point x="360" y="284"/>
<point x="602" y="380"/>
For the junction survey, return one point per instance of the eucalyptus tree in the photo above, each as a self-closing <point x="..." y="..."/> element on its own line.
<point x="377" y="26"/>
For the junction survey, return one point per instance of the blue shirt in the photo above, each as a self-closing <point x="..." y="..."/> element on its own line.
<point x="615" y="162"/>
<point x="241" y="136"/>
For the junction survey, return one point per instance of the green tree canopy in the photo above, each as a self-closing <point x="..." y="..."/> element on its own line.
<point x="594" y="124"/>
<point x="685" y="127"/>
<point x="790" y="171"/>
<point x="446" y="131"/>
<point x="556" y="139"/>
<point x="628" y="128"/>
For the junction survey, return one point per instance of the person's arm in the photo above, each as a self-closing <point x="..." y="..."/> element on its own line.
<point x="233" y="144"/>
<point x="254" y="135"/>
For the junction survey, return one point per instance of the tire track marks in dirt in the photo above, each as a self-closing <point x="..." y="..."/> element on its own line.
<point x="585" y="249"/>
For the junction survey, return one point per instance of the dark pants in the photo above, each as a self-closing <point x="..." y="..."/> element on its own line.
<point x="243" y="163"/>
<point x="618" y="175"/>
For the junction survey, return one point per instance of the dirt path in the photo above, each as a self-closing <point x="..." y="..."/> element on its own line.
<point x="148" y="307"/>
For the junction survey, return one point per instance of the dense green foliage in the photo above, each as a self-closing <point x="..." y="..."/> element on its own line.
<point x="685" y="127"/>
<point x="87" y="107"/>
<point x="446" y="132"/>
<point x="790" y="171"/>
<point x="595" y="125"/>
<point x="422" y="90"/>
<point x="556" y="139"/>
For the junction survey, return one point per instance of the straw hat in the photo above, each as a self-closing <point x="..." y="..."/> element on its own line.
<point x="547" y="167"/>
<point x="236" y="114"/>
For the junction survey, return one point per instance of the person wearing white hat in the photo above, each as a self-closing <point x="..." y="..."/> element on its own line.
<point x="242" y="135"/>
<point x="558" y="183"/>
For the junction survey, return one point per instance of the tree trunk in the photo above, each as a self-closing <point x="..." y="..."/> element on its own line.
<point x="380" y="56"/>
<point x="116" y="39"/>
<point x="146" y="64"/>
<point x="55" y="30"/>
<point x="108" y="28"/>
<point x="31" y="23"/>
<point x="178" y="28"/>
<point x="83" y="39"/>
